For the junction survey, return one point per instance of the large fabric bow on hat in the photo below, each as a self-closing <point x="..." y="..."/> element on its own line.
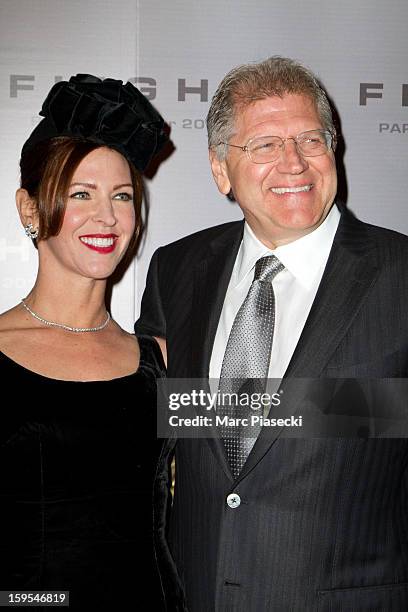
<point x="104" y="111"/>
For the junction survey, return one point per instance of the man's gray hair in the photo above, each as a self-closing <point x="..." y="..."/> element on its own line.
<point x="275" y="76"/>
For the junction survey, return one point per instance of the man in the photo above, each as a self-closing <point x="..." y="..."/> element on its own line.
<point x="287" y="524"/>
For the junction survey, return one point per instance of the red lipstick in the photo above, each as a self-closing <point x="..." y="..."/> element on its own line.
<point x="102" y="243"/>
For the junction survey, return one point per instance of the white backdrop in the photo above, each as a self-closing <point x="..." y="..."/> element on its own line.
<point x="177" y="52"/>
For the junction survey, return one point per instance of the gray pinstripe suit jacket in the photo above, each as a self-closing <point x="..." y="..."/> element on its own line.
<point x="323" y="524"/>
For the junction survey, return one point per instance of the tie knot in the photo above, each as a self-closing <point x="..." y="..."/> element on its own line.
<point x="267" y="268"/>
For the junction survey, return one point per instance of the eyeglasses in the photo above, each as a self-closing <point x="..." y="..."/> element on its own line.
<point x="268" y="148"/>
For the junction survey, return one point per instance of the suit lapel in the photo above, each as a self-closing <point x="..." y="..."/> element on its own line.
<point x="350" y="272"/>
<point x="211" y="279"/>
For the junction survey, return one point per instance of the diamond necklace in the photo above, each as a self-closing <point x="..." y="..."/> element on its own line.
<point x="67" y="327"/>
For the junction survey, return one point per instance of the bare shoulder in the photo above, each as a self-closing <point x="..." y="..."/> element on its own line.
<point x="124" y="339"/>
<point x="16" y="333"/>
<point x="55" y="353"/>
<point x="12" y="325"/>
<point x="10" y="318"/>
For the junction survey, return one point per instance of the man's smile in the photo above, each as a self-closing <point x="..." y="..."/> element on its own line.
<point x="299" y="189"/>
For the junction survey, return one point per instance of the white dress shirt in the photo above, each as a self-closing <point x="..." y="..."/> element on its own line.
<point x="295" y="289"/>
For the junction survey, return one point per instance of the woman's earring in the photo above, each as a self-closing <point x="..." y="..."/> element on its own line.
<point x="30" y="231"/>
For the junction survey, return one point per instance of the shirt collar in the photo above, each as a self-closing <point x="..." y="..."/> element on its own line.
<point x="304" y="258"/>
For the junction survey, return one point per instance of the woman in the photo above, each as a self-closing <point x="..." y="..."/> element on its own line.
<point x="78" y="444"/>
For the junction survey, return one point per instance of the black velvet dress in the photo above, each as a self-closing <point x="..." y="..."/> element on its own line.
<point x="77" y="462"/>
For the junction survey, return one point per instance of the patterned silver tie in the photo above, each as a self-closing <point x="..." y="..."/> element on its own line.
<point x="247" y="356"/>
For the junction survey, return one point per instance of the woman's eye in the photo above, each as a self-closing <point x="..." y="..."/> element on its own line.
<point x="80" y="195"/>
<point x="126" y="197"/>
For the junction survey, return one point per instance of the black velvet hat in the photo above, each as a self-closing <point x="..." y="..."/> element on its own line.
<point x="103" y="111"/>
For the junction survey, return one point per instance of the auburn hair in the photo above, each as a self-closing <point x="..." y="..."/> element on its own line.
<point x="46" y="174"/>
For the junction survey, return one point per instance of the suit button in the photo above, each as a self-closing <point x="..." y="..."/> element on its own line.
<point x="233" y="500"/>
